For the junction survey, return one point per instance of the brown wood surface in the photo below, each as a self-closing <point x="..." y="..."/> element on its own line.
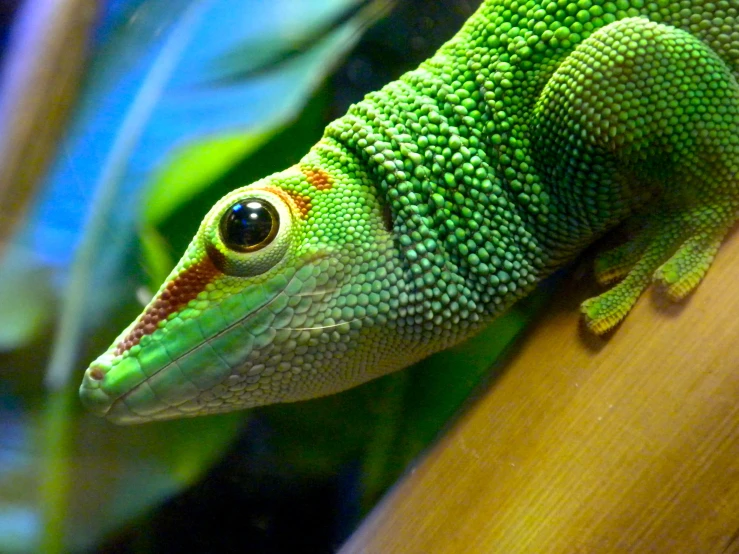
<point x="623" y="444"/>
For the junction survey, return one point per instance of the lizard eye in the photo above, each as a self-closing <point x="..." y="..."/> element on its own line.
<point x="247" y="232"/>
<point x="249" y="225"/>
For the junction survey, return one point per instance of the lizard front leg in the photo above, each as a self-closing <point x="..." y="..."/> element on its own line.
<point x="643" y="116"/>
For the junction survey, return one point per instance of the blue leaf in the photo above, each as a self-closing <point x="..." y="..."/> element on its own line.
<point x="152" y="87"/>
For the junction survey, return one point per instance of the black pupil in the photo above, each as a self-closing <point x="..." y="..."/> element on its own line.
<point x="249" y="224"/>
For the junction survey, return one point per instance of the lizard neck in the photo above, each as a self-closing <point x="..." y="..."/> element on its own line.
<point x="454" y="221"/>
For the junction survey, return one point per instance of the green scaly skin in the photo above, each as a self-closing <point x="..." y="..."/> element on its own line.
<point x="437" y="202"/>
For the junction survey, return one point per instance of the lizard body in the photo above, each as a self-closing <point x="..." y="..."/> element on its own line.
<point x="438" y="201"/>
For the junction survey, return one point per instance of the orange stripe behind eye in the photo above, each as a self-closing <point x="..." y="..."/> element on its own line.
<point x="191" y="281"/>
<point x="302" y="202"/>
<point x="177" y="294"/>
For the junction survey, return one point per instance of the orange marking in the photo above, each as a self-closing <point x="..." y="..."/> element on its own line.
<point x="317" y="177"/>
<point x="178" y="293"/>
<point x="300" y="201"/>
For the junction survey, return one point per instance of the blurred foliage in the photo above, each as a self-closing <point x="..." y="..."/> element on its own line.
<point x="172" y="117"/>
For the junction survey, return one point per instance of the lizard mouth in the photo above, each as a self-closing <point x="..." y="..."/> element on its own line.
<point x="137" y="404"/>
<point x="117" y="410"/>
<point x="154" y="383"/>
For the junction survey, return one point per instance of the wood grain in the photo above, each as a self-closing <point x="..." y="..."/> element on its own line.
<point x="624" y="444"/>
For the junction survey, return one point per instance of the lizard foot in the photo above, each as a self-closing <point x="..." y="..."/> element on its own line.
<point x="688" y="243"/>
<point x="680" y="275"/>
<point x="605" y="311"/>
<point x="690" y="152"/>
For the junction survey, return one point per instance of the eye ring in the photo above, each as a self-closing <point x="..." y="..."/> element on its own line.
<point x="249" y="225"/>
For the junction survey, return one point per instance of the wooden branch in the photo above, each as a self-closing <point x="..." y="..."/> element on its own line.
<point x="587" y="445"/>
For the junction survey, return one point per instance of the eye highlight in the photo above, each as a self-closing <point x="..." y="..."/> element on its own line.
<point x="249" y="225"/>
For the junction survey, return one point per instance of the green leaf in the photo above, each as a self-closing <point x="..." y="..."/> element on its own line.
<point x="156" y="255"/>
<point x="194" y="167"/>
<point x="26" y="299"/>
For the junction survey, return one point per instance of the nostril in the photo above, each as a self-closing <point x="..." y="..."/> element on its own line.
<point x="96" y="374"/>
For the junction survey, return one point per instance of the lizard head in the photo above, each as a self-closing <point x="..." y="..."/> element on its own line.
<point x="284" y="294"/>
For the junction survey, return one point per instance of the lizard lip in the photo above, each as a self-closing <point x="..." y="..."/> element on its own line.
<point x="121" y="414"/>
<point x="102" y="404"/>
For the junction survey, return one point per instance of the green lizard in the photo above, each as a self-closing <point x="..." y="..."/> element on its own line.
<point x="437" y="202"/>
